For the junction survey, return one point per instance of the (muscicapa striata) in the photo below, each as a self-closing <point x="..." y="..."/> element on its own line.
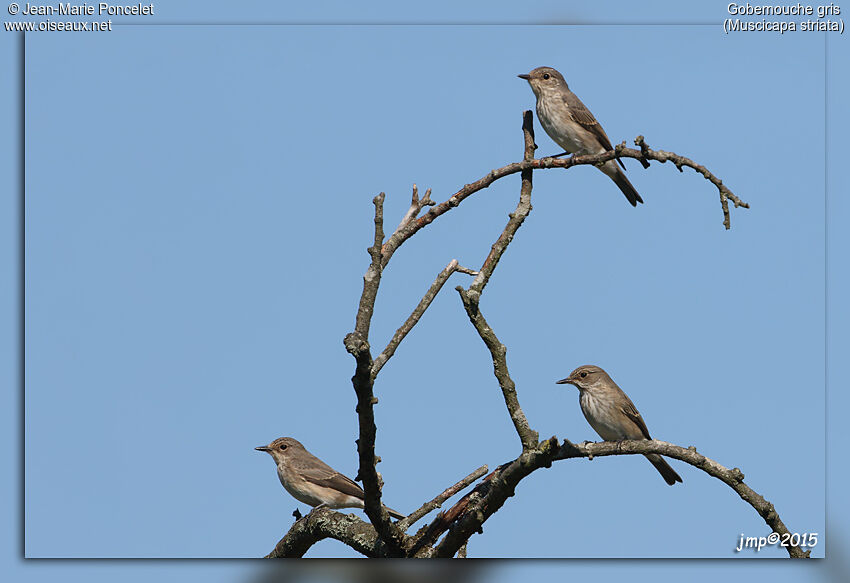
<point x="612" y="414"/>
<point x="571" y="125"/>
<point x="312" y="481"/>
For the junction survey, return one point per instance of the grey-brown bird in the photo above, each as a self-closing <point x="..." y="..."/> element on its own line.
<point x="571" y="125"/>
<point x="312" y="481"/>
<point x="612" y="414"/>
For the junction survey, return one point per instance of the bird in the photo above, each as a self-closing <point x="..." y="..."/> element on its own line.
<point x="311" y="481"/>
<point x="611" y="413"/>
<point x="571" y="125"/>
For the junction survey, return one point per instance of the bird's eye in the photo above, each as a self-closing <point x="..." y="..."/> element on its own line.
<point x="283" y="447"/>
<point x="545" y="75"/>
<point x="582" y="374"/>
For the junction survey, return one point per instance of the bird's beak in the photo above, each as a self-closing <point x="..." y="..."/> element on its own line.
<point x="524" y="76"/>
<point x="566" y="381"/>
<point x="262" y="448"/>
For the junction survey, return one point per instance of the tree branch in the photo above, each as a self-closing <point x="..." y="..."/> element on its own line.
<point x="417" y="313"/>
<point x="733" y="478"/>
<point x="679" y="161"/>
<point x="498" y="351"/>
<point x="516" y="218"/>
<point x="477" y="506"/>
<point x="372" y="277"/>
<point x="357" y="344"/>
<point x="324" y="523"/>
<point x="468" y="515"/>
<point x="620" y="151"/>
<point x="470" y="297"/>
<point x="438" y="500"/>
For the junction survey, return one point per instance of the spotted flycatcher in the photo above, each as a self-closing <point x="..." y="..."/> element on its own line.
<point x="612" y="414"/>
<point x="571" y="125"/>
<point x="312" y="481"/>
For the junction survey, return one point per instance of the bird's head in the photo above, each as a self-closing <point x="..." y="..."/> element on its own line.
<point x="585" y="377"/>
<point x="544" y="79"/>
<point x="281" y="448"/>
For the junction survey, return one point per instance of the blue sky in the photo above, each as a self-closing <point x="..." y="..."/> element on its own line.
<point x="198" y="205"/>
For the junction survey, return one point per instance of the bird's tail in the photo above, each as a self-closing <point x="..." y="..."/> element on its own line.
<point x="669" y="474"/>
<point x="631" y="194"/>
<point x="398" y="515"/>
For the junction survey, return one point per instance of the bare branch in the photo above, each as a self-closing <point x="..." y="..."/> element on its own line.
<point x="367" y="472"/>
<point x="428" y="534"/>
<point x="438" y="500"/>
<point x="516" y="218"/>
<point x="357" y="344"/>
<point x="372" y="278"/>
<point x="324" y="523"/>
<point x="498" y="351"/>
<point x="468" y="515"/>
<point x="490" y="495"/>
<point x="470" y="297"/>
<point x="413" y="226"/>
<point x="725" y="194"/>
<point x="734" y="478"/>
<point x="414" y="317"/>
<point x="467" y="271"/>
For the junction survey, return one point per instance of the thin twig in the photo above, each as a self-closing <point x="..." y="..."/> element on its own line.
<point x="679" y="161"/>
<point x="438" y="500"/>
<point x="490" y="495"/>
<point x="428" y="535"/>
<point x="417" y="313"/>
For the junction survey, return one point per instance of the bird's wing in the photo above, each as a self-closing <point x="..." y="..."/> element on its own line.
<point x="319" y="473"/>
<point x="631" y="412"/>
<point x="582" y="116"/>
